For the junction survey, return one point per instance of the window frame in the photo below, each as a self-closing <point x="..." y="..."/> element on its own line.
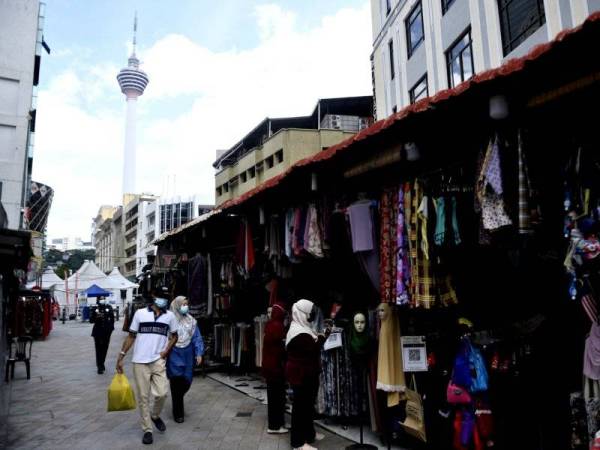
<point x="449" y="62"/>
<point x="408" y="22"/>
<point x="411" y="92"/>
<point x="446" y="4"/>
<point x="510" y="43"/>
<point x="391" y="54"/>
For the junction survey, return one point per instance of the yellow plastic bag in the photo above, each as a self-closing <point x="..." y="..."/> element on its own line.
<point x="120" y="394"/>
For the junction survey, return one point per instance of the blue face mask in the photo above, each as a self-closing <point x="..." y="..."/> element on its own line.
<point x="184" y="309"/>
<point x="161" y="303"/>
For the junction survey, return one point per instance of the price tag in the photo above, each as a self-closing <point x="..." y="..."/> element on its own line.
<point x="333" y="341"/>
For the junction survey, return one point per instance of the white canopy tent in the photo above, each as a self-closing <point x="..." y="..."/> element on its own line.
<point x="119" y="283"/>
<point x="87" y="275"/>
<point x="49" y="280"/>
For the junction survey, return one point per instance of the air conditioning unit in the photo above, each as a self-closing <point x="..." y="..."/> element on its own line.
<point x="336" y="122"/>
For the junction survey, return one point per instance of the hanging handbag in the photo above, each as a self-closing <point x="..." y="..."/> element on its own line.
<point x="414" y="424"/>
<point x="479" y="382"/>
<point x="457" y="395"/>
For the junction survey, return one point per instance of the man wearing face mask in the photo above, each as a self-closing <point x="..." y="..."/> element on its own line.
<point x="103" y="318"/>
<point x="154" y="332"/>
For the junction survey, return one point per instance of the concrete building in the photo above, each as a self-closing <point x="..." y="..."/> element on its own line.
<point x="276" y="144"/>
<point x="103" y="238"/>
<point x="423" y="46"/>
<point x="65" y="243"/>
<point x="133" y="212"/>
<point x="133" y="82"/>
<point x="21" y="44"/>
<point x="161" y="216"/>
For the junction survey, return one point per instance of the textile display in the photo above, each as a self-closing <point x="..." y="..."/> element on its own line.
<point x="259" y="336"/>
<point x="403" y="269"/>
<point x="388" y="259"/>
<point x="591" y="360"/>
<point x="390" y="370"/>
<point x="339" y="383"/>
<point x="361" y="226"/>
<point x="198" y="276"/>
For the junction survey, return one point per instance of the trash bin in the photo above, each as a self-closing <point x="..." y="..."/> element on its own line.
<point x="85" y="314"/>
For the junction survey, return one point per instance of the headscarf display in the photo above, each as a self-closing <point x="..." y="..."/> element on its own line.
<point x="591" y="359"/>
<point x="390" y="371"/>
<point x="186" y="324"/>
<point x="300" y="324"/>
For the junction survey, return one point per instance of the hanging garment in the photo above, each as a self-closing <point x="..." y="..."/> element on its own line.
<point x="524" y="192"/>
<point x="446" y="225"/>
<point x="422" y="282"/>
<point x="490" y="190"/>
<point x="403" y="262"/>
<point x="209" y="278"/>
<point x="361" y="226"/>
<point x="313" y="239"/>
<point x="390" y="370"/>
<point x="245" y="247"/>
<point x="591" y="358"/>
<point x="289" y="233"/>
<point x="388" y="210"/>
<point x="198" y="280"/>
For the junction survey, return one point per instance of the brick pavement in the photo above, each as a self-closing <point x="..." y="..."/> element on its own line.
<point x="64" y="406"/>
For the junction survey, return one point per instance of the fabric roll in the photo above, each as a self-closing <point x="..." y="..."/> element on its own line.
<point x="591" y="359"/>
<point x="314" y="238"/>
<point x="403" y="263"/>
<point x="388" y="244"/>
<point x="524" y="192"/>
<point x="390" y="370"/>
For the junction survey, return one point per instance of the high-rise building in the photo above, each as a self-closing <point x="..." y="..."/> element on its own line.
<point x="423" y="46"/>
<point x="21" y="44"/>
<point x="133" y="82"/>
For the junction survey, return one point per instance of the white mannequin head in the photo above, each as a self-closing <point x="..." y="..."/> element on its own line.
<point x="269" y="311"/>
<point x="383" y="311"/>
<point x="360" y="322"/>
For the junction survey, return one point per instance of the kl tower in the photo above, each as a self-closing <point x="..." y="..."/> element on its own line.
<point x="133" y="82"/>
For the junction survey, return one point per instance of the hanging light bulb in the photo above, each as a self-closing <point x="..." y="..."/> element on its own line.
<point x="313" y="182"/>
<point x="412" y="151"/>
<point x="261" y="214"/>
<point x="498" y="107"/>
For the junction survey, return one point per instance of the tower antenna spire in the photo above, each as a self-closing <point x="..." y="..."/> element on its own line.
<point x="134" y="31"/>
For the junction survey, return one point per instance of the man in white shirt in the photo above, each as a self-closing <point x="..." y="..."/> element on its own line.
<point x="154" y="332"/>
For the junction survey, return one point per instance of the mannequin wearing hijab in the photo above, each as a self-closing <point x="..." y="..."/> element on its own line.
<point x="390" y="370"/>
<point x="302" y="372"/>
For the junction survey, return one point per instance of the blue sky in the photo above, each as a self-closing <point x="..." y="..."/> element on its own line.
<point x="215" y="68"/>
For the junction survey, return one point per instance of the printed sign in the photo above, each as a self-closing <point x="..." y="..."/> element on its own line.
<point x="414" y="354"/>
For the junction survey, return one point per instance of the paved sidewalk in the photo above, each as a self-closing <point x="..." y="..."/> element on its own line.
<point x="63" y="406"/>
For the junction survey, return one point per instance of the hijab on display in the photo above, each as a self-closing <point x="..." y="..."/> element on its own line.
<point x="390" y="370"/>
<point x="186" y="324"/>
<point x="591" y="358"/>
<point x="301" y="311"/>
<point x="359" y="335"/>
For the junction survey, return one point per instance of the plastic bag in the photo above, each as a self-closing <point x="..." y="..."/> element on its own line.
<point x="120" y="394"/>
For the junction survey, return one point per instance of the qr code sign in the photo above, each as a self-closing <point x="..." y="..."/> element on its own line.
<point x="414" y="355"/>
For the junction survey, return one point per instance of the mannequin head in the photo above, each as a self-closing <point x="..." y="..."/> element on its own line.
<point x="383" y="311"/>
<point x="360" y="322"/>
<point x="269" y="312"/>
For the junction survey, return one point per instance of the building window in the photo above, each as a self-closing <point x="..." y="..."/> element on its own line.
<point x="252" y="172"/>
<point x="518" y="20"/>
<point x="243" y="177"/>
<point x="391" y="51"/>
<point x="226" y="187"/>
<point x="419" y="90"/>
<point x="446" y="5"/>
<point x="269" y="162"/>
<point x="415" y="34"/>
<point x="279" y="156"/>
<point x="388" y="7"/>
<point x="219" y="191"/>
<point x="459" y="59"/>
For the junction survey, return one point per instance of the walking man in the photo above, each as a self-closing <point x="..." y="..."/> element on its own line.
<point x="103" y="318"/>
<point x="154" y="331"/>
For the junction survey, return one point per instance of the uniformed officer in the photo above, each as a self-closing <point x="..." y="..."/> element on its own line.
<point x="103" y="318"/>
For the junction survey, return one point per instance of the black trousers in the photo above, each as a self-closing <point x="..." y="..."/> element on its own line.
<point x="276" y="404"/>
<point x="303" y="414"/>
<point x="179" y="387"/>
<point x="101" y="343"/>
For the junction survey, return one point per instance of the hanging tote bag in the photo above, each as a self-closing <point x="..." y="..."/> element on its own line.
<point x="479" y="382"/>
<point x="120" y="394"/>
<point x="414" y="424"/>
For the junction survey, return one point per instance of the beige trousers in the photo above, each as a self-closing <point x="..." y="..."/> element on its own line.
<point x="152" y="379"/>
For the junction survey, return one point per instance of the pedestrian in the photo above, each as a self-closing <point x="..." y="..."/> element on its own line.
<point x="273" y="368"/>
<point x="103" y="318"/>
<point x="187" y="351"/>
<point x="302" y="369"/>
<point x="154" y="332"/>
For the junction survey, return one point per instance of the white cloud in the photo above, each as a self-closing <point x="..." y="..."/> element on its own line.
<point x="225" y="94"/>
